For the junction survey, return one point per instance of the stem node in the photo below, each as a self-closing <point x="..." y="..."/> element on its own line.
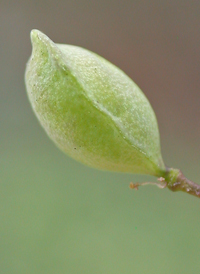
<point x="181" y="183"/>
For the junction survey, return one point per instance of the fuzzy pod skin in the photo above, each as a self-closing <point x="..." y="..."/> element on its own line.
<point x="91" y="109"/>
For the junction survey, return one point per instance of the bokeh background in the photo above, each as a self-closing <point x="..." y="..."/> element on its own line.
<point x="58" y="216"/>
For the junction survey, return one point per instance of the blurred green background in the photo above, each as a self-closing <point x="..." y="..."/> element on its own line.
<point x="58" y="216"/>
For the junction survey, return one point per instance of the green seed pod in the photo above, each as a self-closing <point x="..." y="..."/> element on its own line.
<point x="91" y="109"/>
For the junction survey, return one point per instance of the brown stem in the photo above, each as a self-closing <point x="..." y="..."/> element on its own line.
<point x="181" y="183"/>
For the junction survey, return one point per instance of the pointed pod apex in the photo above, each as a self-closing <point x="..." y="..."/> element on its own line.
<point x="91" y="109"/>
<point x="43" y="46"/>
<point x="34" y="34"/>
<point x="38" y="39"/>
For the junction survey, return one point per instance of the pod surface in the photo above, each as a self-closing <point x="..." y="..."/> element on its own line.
<point x="91" y="109"/>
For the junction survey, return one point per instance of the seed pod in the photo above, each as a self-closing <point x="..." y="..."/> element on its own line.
<point x="91" y="109"/>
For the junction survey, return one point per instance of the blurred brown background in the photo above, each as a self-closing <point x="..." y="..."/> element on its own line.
<point x="57" y="220"/>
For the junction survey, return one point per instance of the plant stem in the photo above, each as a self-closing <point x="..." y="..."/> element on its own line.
<point x="176" y="181"/>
